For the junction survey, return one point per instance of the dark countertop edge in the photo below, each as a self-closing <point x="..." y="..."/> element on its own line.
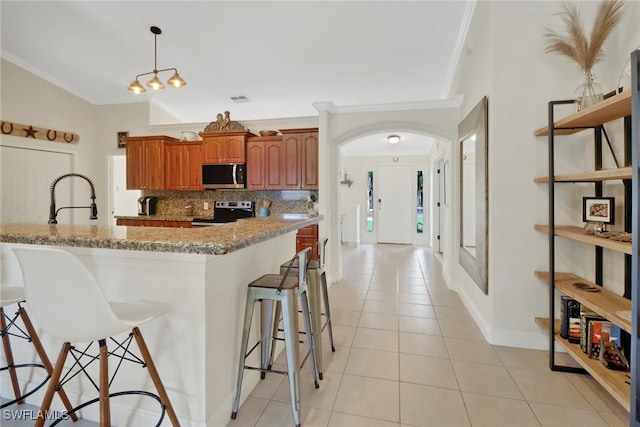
<point x="202" y="248"/>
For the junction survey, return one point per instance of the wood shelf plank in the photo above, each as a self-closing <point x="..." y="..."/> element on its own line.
<point x="577" y="233"/>
<point x="612" y="381"/>
<point x="605" y="303"/>
<point x="595" y="176"/>
<point x="613" y="108"/>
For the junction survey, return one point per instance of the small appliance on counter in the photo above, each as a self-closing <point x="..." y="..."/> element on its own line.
<point x="147" y="205"/>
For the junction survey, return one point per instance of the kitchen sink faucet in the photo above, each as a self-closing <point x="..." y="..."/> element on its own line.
<point x="53" y="213"/>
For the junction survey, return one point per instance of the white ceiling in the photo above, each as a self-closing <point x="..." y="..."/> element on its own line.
<point x="283" y="56"/>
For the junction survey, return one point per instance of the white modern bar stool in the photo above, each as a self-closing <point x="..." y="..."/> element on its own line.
<point x="284" y="289"/>
<point x="317" y="287"/>
<point x="57" y="282"/>
<point x="10" y="295"/>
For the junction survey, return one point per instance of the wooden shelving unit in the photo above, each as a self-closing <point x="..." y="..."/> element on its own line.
<point x="615" y="382"/>
<point x="613" y="108"/>
<point x="596" y="176"/>
<point x="615" y="308"/>
<point x="577" y="233"/>
<point x="605" y="303"/>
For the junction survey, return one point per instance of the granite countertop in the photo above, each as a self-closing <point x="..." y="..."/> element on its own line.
<point x="216" y="240"/>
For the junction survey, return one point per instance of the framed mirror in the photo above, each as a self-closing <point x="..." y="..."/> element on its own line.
<point x="473" y="138"/>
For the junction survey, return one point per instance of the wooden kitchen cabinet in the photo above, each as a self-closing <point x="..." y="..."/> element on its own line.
<point x="224" y="147"/>
<point x="183" y="166"/>
<point x="145" y="162"/>
<point x="265" y="163"/>
<point x="301" y="159"/>
<point x="306" y="237"/>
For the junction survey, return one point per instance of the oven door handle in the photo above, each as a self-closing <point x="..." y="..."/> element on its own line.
<point x="233" y="173"/>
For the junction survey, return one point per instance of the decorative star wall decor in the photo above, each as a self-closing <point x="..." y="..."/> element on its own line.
<point x="30" y="131"/>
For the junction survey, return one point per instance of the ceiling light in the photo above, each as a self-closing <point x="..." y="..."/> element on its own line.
<point x="393" y="139"/>
<point x="155" y="82"/>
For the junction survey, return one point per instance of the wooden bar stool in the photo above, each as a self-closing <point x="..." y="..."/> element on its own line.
<point x="317" y="286"/>
<point x="284" y="289"/>
<point x="10" y="295"/>
<point x="57" y="282"/>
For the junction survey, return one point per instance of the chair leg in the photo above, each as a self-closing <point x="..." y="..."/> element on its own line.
<point x="313" y="289"/>
<point x="267" y="326"/>
<point x="327" y="309"/>
<point x="153" y="373"/>
<point x="310" y="337"/>
<point x="274" y="333"/>
<point x="290" y="321"/>
<point x="105" y="412"/>
<point x="9" y="356"/>
<point x="248" y="315"/>
<point x="35" y="339"/>
<point x="53" y="384"/>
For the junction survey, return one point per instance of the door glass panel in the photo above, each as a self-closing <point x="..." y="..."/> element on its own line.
<point x="419" y="206"/>
<point x="370" y="201"/>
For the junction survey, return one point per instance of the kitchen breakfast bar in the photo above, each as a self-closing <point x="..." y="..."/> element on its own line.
<point x="202" y="273"/>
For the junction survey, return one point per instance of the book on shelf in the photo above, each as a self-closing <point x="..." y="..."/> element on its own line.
<point x="570" y="319"/>
<point x="595" y="329"/>
<point x="610" y="352"/>
<point x="585" y="318"/>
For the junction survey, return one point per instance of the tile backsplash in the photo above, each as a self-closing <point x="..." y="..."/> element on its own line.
<point x="191" y="203"/>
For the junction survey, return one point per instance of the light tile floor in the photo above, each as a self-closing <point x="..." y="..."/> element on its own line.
<point x="409" y="354"/>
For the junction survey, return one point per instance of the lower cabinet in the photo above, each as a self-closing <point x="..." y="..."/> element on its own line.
<point x="152" y="223"/>
<point x="306" y="238"/>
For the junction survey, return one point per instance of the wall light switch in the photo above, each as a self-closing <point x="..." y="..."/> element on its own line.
<point x="206" y="206"/>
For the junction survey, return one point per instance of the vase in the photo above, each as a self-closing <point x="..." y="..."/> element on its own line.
<point x="588" y="93"/>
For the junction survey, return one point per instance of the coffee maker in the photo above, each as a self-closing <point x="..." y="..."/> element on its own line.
<point x="147" y="205"/>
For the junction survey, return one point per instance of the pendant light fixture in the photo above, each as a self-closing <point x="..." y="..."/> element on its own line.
<point x="155" y="82"/>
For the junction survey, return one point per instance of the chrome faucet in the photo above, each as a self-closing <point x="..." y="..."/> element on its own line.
<point x="53" y="213"/>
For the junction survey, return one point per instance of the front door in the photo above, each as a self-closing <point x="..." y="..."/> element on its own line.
<point x="395" y="205"/>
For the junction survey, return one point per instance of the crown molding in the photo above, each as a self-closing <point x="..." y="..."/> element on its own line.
<point x="435" y="104"/>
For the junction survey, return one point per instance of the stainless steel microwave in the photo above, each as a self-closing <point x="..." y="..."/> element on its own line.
<point x="224" y="175"/>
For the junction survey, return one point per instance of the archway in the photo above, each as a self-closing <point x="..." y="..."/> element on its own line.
<point x="341" y="129"/>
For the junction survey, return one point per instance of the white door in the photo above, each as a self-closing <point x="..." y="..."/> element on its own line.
<point x="26" y="184"/>
<point x="396" y="221"/>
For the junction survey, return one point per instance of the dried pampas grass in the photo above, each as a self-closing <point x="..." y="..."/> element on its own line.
<point x="574" y="44"/>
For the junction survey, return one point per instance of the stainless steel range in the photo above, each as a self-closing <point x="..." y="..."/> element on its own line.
<point x="225" y="212"/>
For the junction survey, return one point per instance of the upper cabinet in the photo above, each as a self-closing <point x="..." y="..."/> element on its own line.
<point x="224" y="147"/>
<point x="301" y="159"/>
<point x="145" y="162"/>
<point x="183" y="166"/>
<point x="265" y="163"/>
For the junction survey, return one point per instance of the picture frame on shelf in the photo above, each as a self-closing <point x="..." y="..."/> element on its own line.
<point x="601" y="209"/>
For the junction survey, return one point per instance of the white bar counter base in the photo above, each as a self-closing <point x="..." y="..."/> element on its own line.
<point x="196" y="345"/>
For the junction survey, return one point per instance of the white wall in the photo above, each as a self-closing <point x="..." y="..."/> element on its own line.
<point x="29" y="100"/>
<point x="504" y="60"/>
